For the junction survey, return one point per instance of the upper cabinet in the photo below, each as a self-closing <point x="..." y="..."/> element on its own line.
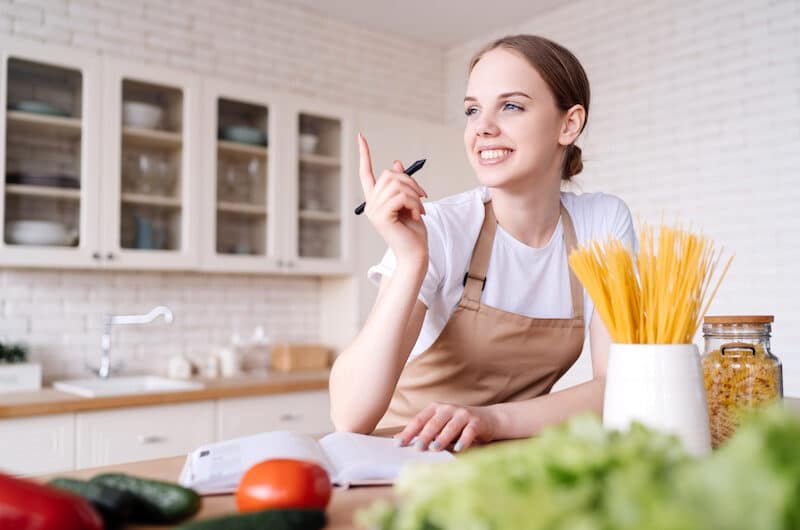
<point x="319" y="200"/>
<point x="49" y="202"/>
<point x="241" y="219"/>
<point x="150" y="179"/>
<point x="115" y="164"/>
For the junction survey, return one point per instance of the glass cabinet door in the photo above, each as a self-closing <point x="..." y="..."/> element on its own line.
<point x="241" y="179"/>
<point x="319" y="188"/>
<point x="151" y="211"/>
<point x="48" y="194"/>
<point x="148" y="186"/>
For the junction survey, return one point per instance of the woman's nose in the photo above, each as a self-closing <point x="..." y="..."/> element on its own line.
<point x="486" y="126"/>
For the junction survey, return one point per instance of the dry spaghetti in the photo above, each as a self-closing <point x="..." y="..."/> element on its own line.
<point x="657" y="296"/>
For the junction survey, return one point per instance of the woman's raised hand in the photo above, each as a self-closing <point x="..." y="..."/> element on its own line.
<point x="394" y="207"/>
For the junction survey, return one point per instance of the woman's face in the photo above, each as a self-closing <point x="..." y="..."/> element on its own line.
<point x="513" y="124"/>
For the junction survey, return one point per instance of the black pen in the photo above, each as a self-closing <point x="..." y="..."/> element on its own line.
<point x="410" y="170"/>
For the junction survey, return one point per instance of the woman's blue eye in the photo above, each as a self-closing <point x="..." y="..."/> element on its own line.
<point x="470" y="111"/>
<point x="511" y="106"/>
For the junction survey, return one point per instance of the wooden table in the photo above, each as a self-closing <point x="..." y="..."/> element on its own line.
<point x="344" y="503"/>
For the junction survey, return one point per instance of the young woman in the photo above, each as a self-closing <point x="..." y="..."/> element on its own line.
<point x="478" y="313"/>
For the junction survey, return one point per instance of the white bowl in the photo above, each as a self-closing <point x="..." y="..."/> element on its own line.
<point x="138" y="114"/>
<point x="32" y="232"/>
<point x="308" y="143"/>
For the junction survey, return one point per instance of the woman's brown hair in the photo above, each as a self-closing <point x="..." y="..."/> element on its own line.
<point x="562" y="72"/>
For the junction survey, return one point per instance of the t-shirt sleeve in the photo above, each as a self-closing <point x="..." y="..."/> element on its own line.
<point x="437" y="259"/>
<point x="622" y="224"/>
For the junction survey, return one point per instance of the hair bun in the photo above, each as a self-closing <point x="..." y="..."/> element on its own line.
<point x="573" y="163"/>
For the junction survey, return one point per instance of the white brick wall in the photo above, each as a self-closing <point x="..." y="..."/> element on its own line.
<point x="695" y="112"/>
<point x="271" y="44"/>
<point x="60" y="314"/>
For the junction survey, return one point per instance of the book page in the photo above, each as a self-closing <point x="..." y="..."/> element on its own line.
<point x="361" y="459"/>
<point x="217" y="467"/>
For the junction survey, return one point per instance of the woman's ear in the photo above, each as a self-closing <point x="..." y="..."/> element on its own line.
<point x="572" y="125"/>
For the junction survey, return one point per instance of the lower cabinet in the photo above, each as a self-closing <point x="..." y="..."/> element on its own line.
<point x="305" y="412"/>
<point x="62" y="442"/>
<point x="37" y="445"/>
<point x="142" y="433"/>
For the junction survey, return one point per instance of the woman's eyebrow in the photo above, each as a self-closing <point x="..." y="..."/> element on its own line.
<point x="502" y="96"/>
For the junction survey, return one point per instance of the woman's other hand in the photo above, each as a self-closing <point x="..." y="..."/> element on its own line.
<point x="440" y="424"/>
<point x="394" y="207"/>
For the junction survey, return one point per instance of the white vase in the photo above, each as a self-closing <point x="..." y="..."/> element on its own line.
<point x="661" y="386"/>
<point x="20" y="377"/>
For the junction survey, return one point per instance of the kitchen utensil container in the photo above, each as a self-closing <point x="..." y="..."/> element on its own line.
<point x="739" y="370"/>
<point x="661" y="386"/>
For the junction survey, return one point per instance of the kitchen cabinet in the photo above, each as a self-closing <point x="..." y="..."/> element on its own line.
<point x="141" y="433"/>
<point x="39" y="444"/>
<point x="61" y="442"/>
<point x="242" y="205"/>
<point x="305" y="412"/>
<point x="49" y="204"/>
<point x="150" y="189"/>
<point x="318" y="198"/>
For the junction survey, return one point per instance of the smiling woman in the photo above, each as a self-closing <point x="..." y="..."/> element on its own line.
<point x="478" y="313"/>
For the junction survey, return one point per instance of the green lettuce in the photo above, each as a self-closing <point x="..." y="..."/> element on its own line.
<point x="578" y="476"/>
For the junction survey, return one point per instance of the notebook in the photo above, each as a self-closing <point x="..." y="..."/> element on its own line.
<point x="350" y="459"/>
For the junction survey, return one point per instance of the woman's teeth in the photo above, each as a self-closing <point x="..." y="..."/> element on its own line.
<point x="491" y="154"/>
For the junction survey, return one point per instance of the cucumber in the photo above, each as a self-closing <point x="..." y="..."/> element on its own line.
<point x="275" y="519"/>
<point x="114" y="505"/>
<point x="156" y="501"/>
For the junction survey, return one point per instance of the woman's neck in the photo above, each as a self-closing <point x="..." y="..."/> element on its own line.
<point x="530" y="217"/>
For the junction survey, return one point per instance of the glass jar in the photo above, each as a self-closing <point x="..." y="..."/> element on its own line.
<point x="739" y="370"/>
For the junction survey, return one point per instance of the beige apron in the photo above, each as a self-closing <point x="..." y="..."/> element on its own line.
<point x="485" y="355"/>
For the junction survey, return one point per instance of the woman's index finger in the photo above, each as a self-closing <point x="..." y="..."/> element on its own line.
<point x="365" y="166"/>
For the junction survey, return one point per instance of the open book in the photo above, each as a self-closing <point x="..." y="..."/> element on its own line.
<point x="350" y="459"/>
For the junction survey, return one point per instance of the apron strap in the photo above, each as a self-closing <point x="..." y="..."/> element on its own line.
<point x="475" y="278"/>
<point x="571" y="241"/>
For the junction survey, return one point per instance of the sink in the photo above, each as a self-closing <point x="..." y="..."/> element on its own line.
<point x="116" y="386"/>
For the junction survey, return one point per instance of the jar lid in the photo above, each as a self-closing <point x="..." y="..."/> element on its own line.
<point x="739" y="319"/>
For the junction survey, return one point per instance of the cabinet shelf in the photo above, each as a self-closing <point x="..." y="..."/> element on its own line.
<point x="152" y="137"/>
<point x="319" y="215"/>
<point x="29" y="120"/>
<point x="241" y="208"/>
<point x="319" y="160"/>
<point x="237" y="148"/>
<point x="43" y="191"/>
<point x="151" y="200"/>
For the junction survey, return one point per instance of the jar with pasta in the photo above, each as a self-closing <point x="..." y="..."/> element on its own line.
<point x="739" y="370"/>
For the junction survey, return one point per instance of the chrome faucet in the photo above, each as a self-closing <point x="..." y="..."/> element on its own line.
<point x="105" y="368"/>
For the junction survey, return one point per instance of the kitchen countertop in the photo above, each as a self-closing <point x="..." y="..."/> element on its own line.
<point x="50" y="401"/>
<point x="343" y="505"/>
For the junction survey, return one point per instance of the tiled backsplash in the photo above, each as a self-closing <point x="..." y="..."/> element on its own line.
<point x="60" y="315"/>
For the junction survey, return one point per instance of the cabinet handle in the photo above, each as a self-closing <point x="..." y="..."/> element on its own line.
<point x="150" y="439"/>
<point x="110" y="256"/>
<point x="291" y="416"/>
<point x="95" y="255"/>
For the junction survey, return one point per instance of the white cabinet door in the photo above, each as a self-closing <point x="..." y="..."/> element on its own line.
<point x="49" y="133"/>
<point x="319" y="147"/>
<point x="38" y="444"/>
<point x="304" y="412"/>
<point x="151" y="178"/>
<point x="241" y="202"/>
<point x="141" y="433"/>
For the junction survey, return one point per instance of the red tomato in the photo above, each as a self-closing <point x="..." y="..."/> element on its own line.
<point x="283" y="483"/>
<point x="26" y="505"/>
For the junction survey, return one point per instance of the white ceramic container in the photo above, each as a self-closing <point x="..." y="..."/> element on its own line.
<point x="661" y="386"/>
<point x="20" y="377"/>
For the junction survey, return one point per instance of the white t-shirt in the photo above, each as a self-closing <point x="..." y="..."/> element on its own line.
<point x="520" y="279"/>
